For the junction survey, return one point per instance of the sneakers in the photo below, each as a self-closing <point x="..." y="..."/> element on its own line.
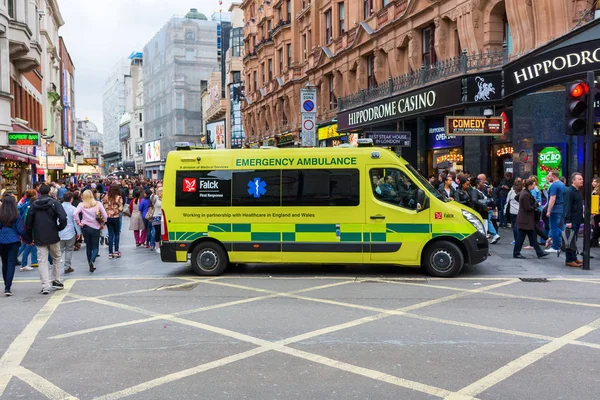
<point x="34" y="265"/>
<point x="110" y="256"/>
<point x="513" y="242"/>
<point x="551" y="250"/>
<point x="45" y="291"/>
<point x="573" y="264"/>
<point x="528" y="247"/>
<point x="117" y="254"/>
<point x="7" y="293"/>
<point x="158" y="250"/>
<point x="69" y="270"/>
<point x="147" y="246"/>
<point x="495" y="239"/>
<point x="57" y="285"/>
<point x="26" y="268"/>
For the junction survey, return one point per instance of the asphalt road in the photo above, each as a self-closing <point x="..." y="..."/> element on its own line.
<point x="141" y="329"/>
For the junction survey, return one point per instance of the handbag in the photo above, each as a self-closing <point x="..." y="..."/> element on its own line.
<point x="569" y="240"/>
<point x="126" y="212"/>
<point x="507" y="208"/>
<point x="99" y="216"/>
<point x="150" y="213"/>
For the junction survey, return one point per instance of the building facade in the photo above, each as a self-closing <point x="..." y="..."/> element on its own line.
<point x="129" y="122"/>
<point x="178" y="62"/>
<point x="68" y="118"/>
<point x="234" y="87"/>
<point x="22" y="91"/>
<point x="361" y="55"/>
<point x="90" y="141"/>
<point x="113" y="108"/>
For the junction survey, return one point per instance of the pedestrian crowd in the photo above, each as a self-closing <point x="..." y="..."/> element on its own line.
<point x="540" y="214"/>
<point x="51" y="221"/>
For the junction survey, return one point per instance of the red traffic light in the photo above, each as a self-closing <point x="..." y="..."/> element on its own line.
<point x="579" y="89"/>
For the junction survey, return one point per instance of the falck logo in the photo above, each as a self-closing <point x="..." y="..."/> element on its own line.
<point x="189" y="185"/>
<point x="438" y="215"/>
<point x="257" y="187"/>
<point x="485" y="89"/>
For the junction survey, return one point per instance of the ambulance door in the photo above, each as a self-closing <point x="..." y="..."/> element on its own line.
<point x="398" y="229"/>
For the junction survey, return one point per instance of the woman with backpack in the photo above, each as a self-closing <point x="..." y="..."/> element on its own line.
<point x="113" y="203"/>
<point x="136" y="222"/>
<point x="92" y="220"/>
<point x="12" y="230"/>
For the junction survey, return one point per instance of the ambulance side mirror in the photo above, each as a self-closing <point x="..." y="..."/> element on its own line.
<point x="422" y="201"/>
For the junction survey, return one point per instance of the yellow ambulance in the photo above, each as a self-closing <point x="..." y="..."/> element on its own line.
<point x="340" y="205"/>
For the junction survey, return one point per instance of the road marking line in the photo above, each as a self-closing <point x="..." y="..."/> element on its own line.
<point x="526" y="360"/>
<point x="279" y="345"/>
<point x="369" y="373"/>
<point x="17" y="350"/>
<point x="573" y="303"/>
<point x="42" y="385"/>
<point x="156" y="289"/>
<point x="583" y="281"/>
<point x="182" y="374"/>
<point x="159" y="316"/>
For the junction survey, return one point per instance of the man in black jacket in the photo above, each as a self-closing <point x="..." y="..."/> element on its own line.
<point x="573" y="214"/>
<point x="45" y="219"/>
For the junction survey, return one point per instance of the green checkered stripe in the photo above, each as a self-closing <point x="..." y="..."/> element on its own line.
<point x="303" y="232"/>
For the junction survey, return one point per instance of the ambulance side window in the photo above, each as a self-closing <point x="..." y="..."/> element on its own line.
<point x="393" y="186"/>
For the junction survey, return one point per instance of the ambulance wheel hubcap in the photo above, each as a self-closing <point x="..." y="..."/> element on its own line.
<point x="208" y="260"/>
<point x="442" y="260"/>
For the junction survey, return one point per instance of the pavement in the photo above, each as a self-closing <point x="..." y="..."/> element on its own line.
<point x="140" y="329"/>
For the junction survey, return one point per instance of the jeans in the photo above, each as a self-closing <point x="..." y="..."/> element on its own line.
<point x="92" y="242"/>
<point x="26" y="252"/>
<point x="66" y="250"/>
<point x="149" y="233"/>
<point x="114" y="234"/>
<point x="556" y="228"/>
<point x="491" y="229"/>
<point x="8" y="253"/>
<point x="513" y="223"/>
<point x="45" y="270"/>
<point x="521" y="239"/>
<point x="571" y="256"/>
<point x="501" y="215"/>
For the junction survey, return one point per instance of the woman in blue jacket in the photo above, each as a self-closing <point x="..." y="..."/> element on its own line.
<point x="12" y="229"/>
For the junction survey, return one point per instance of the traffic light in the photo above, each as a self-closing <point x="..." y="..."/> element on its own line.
<point x="577" y="103"/>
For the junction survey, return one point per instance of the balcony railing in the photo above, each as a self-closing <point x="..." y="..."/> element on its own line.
<point x="259" y="45"/>
<point x="454" y="66"/>
<point x="249" y="56"/>
<point x="279" y="27"/>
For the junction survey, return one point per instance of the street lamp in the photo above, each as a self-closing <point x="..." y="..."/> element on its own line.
<point x="47" y="138"/>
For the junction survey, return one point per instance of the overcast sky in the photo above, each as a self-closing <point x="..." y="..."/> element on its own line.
<point x="98" y="36"/>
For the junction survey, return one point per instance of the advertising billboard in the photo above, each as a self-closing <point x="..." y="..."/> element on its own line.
<point x="216" y="134"/>
<point x="152" y="151"/>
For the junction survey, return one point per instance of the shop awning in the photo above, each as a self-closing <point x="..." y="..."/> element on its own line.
<point x="17" y="156"/>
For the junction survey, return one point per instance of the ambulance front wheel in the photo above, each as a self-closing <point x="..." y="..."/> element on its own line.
<point x="209" y="259"/>
<point x="443" y="259"/>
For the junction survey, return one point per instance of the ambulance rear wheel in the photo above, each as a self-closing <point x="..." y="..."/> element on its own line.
<point x="443" y="259"/>
<point x="209" y="259"/>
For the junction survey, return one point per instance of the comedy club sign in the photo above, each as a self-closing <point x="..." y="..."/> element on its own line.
<point x="402" y="106"/>
<point x="552" y="65"/>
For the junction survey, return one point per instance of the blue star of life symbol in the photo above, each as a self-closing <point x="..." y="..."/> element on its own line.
<point x="257" y="187"/>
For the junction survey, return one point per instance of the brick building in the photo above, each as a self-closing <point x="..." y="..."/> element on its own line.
<point x="359" y="52"/>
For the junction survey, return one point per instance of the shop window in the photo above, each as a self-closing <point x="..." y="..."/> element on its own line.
<point x="393" y="186"/>
<point x="203" y="188"/>
<point x="367" y="8"/>
<point x="341" y="18"/>
<point x="328" y="33"/>
<point x="270" y="69"/>
<point x="257" y="188"/>
<point x="332" y="98"/>
<point x="316" y="187"/>
<point x="280" y="59"/>
<point x="506" y="36"/>
<point x="372" y="82"/>
<point x="428" y="49"/>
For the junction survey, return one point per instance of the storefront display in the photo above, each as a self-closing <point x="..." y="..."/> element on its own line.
<point x="549" y="158"/>
<point x="11" y="176"/>
<point x="445" y="152"/>
<point x="502" y="161"/>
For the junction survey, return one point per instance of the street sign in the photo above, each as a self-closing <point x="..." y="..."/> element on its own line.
<point x="308" y="100"/>
<point x="389" y="139"/>
<point x="309" y="132"/>
<point x="23" y="139"/>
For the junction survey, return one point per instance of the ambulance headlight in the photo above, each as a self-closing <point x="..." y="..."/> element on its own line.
<point x="476" y="222"/>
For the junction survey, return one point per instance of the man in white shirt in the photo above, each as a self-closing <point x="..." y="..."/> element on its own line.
<point x="70" y="234"/>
